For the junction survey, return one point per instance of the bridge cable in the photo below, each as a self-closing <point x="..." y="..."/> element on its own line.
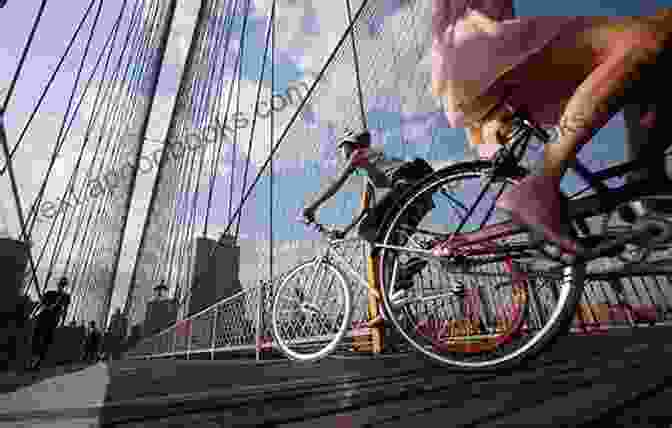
<point x="59" y="144"/>
<point x="220" y="89"/>
<point x="102" y="207"/>
<point x="256" y="114"/>
<point x="355" y="58"/>
<point x="96" y="112"/>
<point x="49" y="83"/>
<point x="154" y="64"/>
<point x="235" y="128"/>
<point x="302" y="104"/>
<point x="201" y="116"/>
<point x="22" y="60"/>
<point x="182" y="237"/>
<point x="111" y="38"/>
<point x="217" y="110"/>
<point x="271" y="137"/>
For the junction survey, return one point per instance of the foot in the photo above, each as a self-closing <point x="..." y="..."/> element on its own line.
<point x="536" y="203"/>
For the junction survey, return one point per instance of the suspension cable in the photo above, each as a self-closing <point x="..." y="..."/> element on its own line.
<point x="110" y="41"/>
<point x="355" y="58"/>
<point x="255" y="115"/>
<point x="48" y="238"/>
<point x="155" y="69"/>
<point x="49" y="83"/>
<point x="22" y="60"/>
<point x="299" y="109"/>
<point x="59" y="141"/>
<point x="272" y="134"/>
<point x="220" y="88"/>
<point x="102" y="209"/>
<point x="235" y="128"/>
<point x="239" y="68"/>
<point x="201" y="113"/>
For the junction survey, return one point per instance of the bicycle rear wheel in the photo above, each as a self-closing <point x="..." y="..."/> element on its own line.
<point x="498" y="304"/>
<point x="311" y="311"/>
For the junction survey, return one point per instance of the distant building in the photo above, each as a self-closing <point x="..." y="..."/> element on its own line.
<point x="13" y="262"/>
<point x="216" y="270"/>
<point x="118" y="324"/>
<point x="161" y="311"/>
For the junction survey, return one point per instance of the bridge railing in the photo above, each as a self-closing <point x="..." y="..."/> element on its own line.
<point x="612" y="297"/>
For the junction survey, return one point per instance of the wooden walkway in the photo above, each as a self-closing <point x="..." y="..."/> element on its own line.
<point x="623" y="378"/>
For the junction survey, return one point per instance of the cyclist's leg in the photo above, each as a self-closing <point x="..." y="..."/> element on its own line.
<point x="646" y="136"/>
<point x="613" y="53"/>
<point x="645" y="118"/>
<point x="47" y="337"/>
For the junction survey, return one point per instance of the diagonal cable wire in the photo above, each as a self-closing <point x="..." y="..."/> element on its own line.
<point x="255" y="115"/>
<point x="48" y="237"/>
<point x="49" y="83"/>
<point x="356" y="64"/>
<point x="22" y="60"/>
<point x="59" y="141"/>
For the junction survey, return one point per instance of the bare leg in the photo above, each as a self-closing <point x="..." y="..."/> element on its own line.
<point x="625" y="54"/>
<point x="610" y="58"/>
<point x="638" y="140"/>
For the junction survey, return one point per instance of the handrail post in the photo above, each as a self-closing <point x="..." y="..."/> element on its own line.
<point x="190" y="333"/>
<point x="260" y="321"/>
<point x="214" y="333"/>
<point x="174" y="350"/>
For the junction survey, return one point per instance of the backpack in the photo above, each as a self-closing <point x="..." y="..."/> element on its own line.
<point x="403" y="178"/>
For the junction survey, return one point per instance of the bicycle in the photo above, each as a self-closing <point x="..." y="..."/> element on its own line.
<point x="540" y="265"/>
<point x="301" y="304"/>
<point x="296" y="309"/>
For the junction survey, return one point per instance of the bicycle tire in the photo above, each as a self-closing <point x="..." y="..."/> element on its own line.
<point x="313" y="347"/>
<point x="560" y="317"/>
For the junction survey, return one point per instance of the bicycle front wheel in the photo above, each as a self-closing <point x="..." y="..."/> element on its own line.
<point x="498" y="302"/>
<point x="311" y="311"/>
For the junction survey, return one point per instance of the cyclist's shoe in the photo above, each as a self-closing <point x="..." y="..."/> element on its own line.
<point x="536" y="203"/>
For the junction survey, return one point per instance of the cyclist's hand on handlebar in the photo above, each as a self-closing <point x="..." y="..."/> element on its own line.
<point x="307" y="217"/>
<point x="336" y="234"/>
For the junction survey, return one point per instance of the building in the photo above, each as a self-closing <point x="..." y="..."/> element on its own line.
<point x="13" y="263"/>
<point x="216" y="270"/>
<point x="161" y="311"/>
<point x="118" y="324"/>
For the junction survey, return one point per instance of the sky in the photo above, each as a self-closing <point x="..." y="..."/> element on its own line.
<point x="307" y="33"/>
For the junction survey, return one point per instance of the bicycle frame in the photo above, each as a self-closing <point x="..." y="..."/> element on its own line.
<point x="603" y="201"/>
<point x="332" y="254"/>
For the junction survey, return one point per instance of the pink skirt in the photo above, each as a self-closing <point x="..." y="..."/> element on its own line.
<point x="473" y="64"/>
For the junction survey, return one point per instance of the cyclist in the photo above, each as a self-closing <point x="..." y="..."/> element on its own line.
<point x="54" y="308"/>
<point x="386" y="173"/>
<point x="576" y="72"/>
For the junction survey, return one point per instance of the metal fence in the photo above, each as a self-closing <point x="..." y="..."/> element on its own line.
<point x="613" y="296"/>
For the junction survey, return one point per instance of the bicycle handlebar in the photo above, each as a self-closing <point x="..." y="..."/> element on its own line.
<point x="322" y="229"/>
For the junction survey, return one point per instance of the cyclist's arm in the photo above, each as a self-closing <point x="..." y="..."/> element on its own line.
<point x="332" y="188"/>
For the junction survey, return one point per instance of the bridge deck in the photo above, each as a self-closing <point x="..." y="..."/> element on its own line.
<point x="618" y="379"/>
